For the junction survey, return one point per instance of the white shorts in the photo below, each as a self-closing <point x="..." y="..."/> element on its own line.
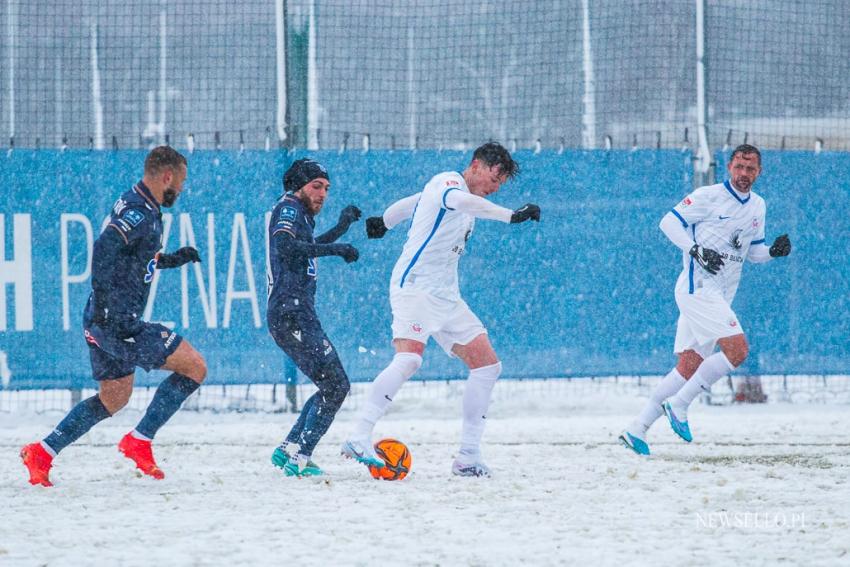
<point x="418" y="315"/>
<point x="703" y="319"/>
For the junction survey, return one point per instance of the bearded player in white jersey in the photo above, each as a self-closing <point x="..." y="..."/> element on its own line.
<point x="717" y="227"/>
<point x="426" y="301"/>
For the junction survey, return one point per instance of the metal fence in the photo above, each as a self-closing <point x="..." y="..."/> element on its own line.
<point x="426" y="73"/>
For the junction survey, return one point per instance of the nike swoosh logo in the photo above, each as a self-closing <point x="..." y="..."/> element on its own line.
<point x="724" y="218"/>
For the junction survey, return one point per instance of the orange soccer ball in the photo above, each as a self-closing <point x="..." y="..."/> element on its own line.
<point x="397" y="457"/>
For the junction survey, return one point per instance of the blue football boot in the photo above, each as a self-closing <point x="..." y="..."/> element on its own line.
<point x="680" y="428"/>
<point x="634" y="443"/>
<point x="301" y="465"/>
<point x="362" y="452"/>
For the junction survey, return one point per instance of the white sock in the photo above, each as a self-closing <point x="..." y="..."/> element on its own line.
<point x="49" y="449"/>
<point x="383" y="390"/>
<point x="710" y="371"/>
<point x="139" y="436"/>
<point x="668" y="386"/>
<point x="476" y="400"/>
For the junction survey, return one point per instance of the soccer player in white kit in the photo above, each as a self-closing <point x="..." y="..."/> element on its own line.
<point x="426" y="301"/>
<point x="717" y="227"/>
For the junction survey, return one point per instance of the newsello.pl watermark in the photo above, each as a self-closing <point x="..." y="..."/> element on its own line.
<point x="752" y="520"/>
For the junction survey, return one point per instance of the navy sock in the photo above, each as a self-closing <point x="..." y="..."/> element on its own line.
<point x="166" y="401"/>
<point x="295" y="433"/>
<point x="333" y="388"/>
<point x="79" y="420"/>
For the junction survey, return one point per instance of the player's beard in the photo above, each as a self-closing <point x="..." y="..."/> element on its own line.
<point x="743" y="184"/>
<point x="169" y="197"/>
<point x="312" y="205"/>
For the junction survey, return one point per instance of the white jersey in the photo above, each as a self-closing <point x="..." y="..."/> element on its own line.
<point x="720" y="218"/>
<point x="443" y="219"/>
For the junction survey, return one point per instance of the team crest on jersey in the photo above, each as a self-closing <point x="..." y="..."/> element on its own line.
<point x="735" y="239"/>
<point x="416" y="328"/>
<point x="755" y="222"/>
<point x="687" y="201"/>
<point x="733" y="323"/>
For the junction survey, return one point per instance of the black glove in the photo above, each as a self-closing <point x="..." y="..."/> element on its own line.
<point x="526" y="212"/>
<point x="175" y="260"/>
<point x="347" y="252"/>
<point x="349" y="215"/>
<point x="708" y="259"/>
<point x="781" y="246"/>
<point x="375" y="227"/>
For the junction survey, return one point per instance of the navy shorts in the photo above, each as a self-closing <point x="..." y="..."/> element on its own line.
<point x="112" y="357"/>
<point x="302" y="338"/>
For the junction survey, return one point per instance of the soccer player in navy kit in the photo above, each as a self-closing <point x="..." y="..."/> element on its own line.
<point x="292" y="318"/>
<point x="125" y="257"/>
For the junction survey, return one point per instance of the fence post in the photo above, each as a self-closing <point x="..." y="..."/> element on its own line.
<point x="702" y="160"/>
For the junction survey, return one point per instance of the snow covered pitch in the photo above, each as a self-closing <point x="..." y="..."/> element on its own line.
<point x="761" y="484"/>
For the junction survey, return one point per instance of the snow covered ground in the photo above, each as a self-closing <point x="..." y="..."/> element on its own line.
<point x="761" y="484"/>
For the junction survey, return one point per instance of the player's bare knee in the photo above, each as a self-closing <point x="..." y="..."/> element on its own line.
<point x="736" y="349"/>
<point x="114" y="402"/>
<point x="689" y="361"/>
<point x="200" y="369"/>
<point x="738" y="354"/>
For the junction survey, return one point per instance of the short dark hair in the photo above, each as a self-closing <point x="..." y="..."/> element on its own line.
<point x="162" y="157"/>
<point x="743" y="150"/>
<point x="493" y="153"/>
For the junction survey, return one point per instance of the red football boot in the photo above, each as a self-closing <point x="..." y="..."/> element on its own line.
<point x="38" y="462"/>
<point x="140" y="452"/>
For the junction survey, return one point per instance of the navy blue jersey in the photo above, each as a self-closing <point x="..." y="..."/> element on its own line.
<point x="124" y="257"/>
<point x="292" y="279"/>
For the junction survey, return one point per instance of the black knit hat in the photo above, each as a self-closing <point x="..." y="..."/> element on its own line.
<point x="302" y="172"/>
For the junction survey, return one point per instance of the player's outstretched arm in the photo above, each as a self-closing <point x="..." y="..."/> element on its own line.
<point x="377" y="227"/>
<point x="479" y="207"/>
<point x="178" y="258"/>
<point x="347" y="217"/>
<point x="676" y="232"/>
<point x="286" y="245"/>
<point x="761" y="252"/>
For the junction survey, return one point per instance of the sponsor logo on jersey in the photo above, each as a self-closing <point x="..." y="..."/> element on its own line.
<point x="416" y="328"/>
<point x="288" y="214"/>
<point x="90" y="338"/>
<point x="151" y="268"/>
<point x="328" y="347"/>
<point x="297" y="335"/>
<point x="687" y="201"/>
<point x="735" y="239"/>
<point x="452" y="182"/>
<point x="721" y="217"/>
<point x="170" y="339"/>
<point x="755" y="222"/>
<point x="133" y="217"/>
<point x="119" y="206"/>
<point x="163" y="334"/>
<point x="733" y="323"/>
